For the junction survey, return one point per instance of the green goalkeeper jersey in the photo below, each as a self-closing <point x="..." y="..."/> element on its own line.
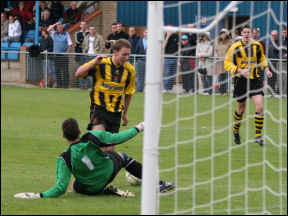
<point x="87" y="162"/>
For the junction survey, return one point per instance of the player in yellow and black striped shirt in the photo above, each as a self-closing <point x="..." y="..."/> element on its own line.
<point x="113" y="77"/>
<point x="244" y="59"/>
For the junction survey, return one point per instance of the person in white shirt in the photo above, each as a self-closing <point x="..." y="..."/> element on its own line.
<point x="14" y="30"/>
<point x="93" y="43"/>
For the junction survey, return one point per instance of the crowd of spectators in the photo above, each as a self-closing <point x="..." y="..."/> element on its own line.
<point x="50" y="12"/>
<point x="201" y="49"/>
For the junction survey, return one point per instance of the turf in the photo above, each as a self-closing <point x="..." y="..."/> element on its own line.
<point x="31" y="140"/>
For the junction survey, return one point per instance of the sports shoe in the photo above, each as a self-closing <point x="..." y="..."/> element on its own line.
<point x="259" y="140"/>
<point x="236" y="136"/>
<point x="164" y="186"/>
<point x="111" y="190"/>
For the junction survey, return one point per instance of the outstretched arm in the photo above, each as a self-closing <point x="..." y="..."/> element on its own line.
<point x="63" y="178"/>
<point x="105" y="138"/>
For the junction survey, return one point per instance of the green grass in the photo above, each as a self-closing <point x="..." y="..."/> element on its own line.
<point x="31" y="140"/>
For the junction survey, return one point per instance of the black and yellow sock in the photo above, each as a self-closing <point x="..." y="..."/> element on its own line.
<point x="259" y="121"/>
<point x="237" y="120"/>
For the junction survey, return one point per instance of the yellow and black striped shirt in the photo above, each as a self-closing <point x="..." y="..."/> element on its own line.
<point x="110" y="83"/>
<point x="245" y="57"/>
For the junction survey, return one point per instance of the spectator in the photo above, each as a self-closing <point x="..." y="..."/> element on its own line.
<point x="255" y="36"/>
<point x="193" y="42"/>
<point x="236" y="35"/>
<point x="72" y="15"/>
<point x="133" y="39"/>
<point x="192" y="39"/>
<point x="46" y="45"/>
<point x="204" y="50"/>
<point x="4" y="25"/>
<point x="222" y="45"/>
<point x="14" y="30"/>
<point x="93" y="42"/>
<point x="87" y="6"/>
<point x="170" y="64"/>
<point x="29" y="5"/>
<point x="111" y="37"/>
<point x="13" y="5"/>
<point x="25" y="14"/>
<point x="273" y="55"/>
<point x="56" y="10"/>
<point x="62" y="43"/>
<point x="120" y="33"/>
<point x="187" y="75"/>
<point x="79" y="38"/>
<point x="140" y="49"/>
<point x="46" y="21"/>
<point x="284" y="63"/>
<point x="42" y="7"/>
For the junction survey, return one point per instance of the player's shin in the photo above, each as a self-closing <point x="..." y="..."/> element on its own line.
<point x="259" y="121"/>
<point x="237" y="120"/>
<point x="132" y="166"/>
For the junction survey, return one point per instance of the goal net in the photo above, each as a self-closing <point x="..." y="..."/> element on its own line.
<point x="188" y="137"/>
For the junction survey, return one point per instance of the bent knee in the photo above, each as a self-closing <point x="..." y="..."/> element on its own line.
<point x="259" y="108"/>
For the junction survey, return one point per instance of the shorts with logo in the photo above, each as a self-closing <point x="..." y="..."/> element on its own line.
<point x="255" y="87"/>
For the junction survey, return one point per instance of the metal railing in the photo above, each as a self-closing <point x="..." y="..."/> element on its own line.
<point x="48" y="66"/>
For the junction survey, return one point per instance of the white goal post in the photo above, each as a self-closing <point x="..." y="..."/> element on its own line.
<point x="152" y="107"/>
<point x="152" y="113"/>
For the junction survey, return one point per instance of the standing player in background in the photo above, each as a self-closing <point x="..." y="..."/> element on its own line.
<point x="244" y="59"/>
<point x="113" y="77"/>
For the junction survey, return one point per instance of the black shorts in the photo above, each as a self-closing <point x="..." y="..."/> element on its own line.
<point x="118" y="164"/>
<point x="240" y="88"/>
<point x="110" y="120"/>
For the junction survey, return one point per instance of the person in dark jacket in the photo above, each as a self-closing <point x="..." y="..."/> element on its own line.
<point x="283" y="54"/>
<point x="133" y="39"/>
<point x="79" y="38"/>
<point x="140" y="49"/>
<point x="72" y="15"/>
<point x="46" y="21"/>
<point x="111" y="37"/>
<point x="273" y="55"/>
<point x="187" y="74"/>
<point x="120" y="33"/>
<point x="170" y="63"/>
<point x="57" y="10"/>
<point x="193" y="42"/>
<point x="46" y="46"/>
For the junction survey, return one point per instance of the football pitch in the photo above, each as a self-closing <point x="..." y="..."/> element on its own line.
<point x="31" y="141"/>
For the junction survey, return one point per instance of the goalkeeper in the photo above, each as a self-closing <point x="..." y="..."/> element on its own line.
<point x="244" y="59"/>
<point x="92" y="168"/>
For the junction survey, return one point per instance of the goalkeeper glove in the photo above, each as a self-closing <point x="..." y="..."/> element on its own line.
<point x="27" y="195"/>
<point x="140" y="126"/>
